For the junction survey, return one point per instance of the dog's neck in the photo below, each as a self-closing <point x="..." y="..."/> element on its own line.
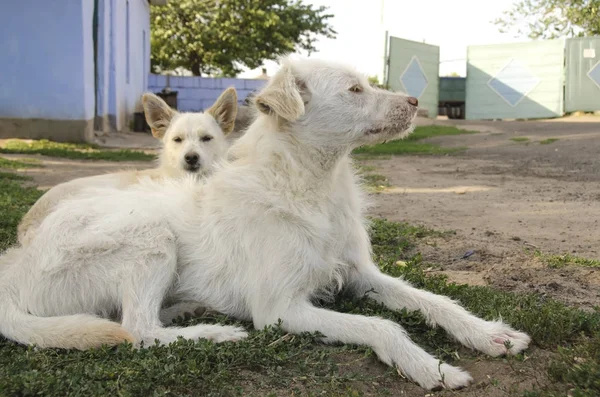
<point x="277" y="147"/>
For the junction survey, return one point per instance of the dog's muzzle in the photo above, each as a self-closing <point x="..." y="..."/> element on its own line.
<point x="193" y="168"/>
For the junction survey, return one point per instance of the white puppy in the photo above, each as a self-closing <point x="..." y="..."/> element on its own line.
<point x="278" y="226"/>
<point x="192" y="144"/>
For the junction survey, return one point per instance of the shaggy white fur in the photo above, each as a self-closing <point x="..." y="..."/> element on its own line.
<point x="191" y="143"/>
<point x="279" y="224"/>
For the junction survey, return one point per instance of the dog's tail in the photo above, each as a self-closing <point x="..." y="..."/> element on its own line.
<point x="79" y="331"/>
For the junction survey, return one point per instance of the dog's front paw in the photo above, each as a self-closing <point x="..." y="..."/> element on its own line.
<point x="442" y="376"/>
<point x="497" y="339"/>
<point x="425" y="370"/>
<point x="454" y="377"/>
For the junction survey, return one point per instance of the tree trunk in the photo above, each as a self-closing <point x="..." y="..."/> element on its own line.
<point x="196" y="69"/>
<point x="195" y="64"/>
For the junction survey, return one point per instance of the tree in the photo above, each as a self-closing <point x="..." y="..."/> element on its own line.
<point x="374" y="82"/>
<point x="222" y="36"/>
<point x="550" y="19"/>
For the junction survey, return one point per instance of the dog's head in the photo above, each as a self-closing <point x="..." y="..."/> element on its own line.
<point x="192" y="142"/>
<point x="331" y="104"/>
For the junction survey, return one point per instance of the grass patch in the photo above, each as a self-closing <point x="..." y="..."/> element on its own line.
<point x="579" y="365"/>
<point x="270" y="362"/>
<point x="520" y="139"/>
<point x="411" y="144"/>
<point x="431" y="131"/>
<point x="402" y="147"/>
<point x="375" y="182"/>
<point x="9" y="176"/>
<point x="16" y="164"/>
<point x="548" y="141"/>
<point x="362" y="168"/>
<point x="558" y="261"/>
<point x="73" y="151"/>
<point x="15" y="201"/>
<point x="369" y="156"/>
<point x="371" y="181"/>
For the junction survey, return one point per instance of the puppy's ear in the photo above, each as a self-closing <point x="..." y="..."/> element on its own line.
<point x="225" y="110"/>
<point x="283" y="95"/>
<point x="158" y="114"/>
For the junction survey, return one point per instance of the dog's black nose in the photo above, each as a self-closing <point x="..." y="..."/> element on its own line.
<point x="192" y="158"/>
<point x="413" y="101"/>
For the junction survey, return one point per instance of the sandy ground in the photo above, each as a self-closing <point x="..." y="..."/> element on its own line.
<point x="504" y="200"/>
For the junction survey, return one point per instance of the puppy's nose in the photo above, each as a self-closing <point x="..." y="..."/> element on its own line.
<point x="192" y="158"/>
<point x="413" y="101"/>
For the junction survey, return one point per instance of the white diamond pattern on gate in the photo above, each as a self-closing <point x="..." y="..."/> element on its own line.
<point x="594" y="74"/>
<point x="513" y="82"/>
<point x="413" y="78"/>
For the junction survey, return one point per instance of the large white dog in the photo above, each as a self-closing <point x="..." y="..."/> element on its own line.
<point x="193" y="144"/>
<point x="277" y="226"/>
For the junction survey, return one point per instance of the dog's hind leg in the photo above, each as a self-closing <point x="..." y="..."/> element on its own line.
<point x="491" y="337"/>
<point x="145" y="289"/>
<point x="388" y="340"/>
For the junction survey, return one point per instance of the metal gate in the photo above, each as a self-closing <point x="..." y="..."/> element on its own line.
<point x="582" y="89"/>
<point x="413" y="68"/>
<point x="515" y="81"/>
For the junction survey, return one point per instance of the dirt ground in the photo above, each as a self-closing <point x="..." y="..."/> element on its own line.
<point x="504" y="200"/>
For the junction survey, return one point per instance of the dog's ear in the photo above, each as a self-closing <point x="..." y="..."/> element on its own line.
<point x="158" y="114"/>
<point x="283" y="95"/>
<point x="224" y="110"/>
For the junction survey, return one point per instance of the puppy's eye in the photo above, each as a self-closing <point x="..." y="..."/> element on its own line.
<point x="178" y="139"/>
<point x="356" y="89"/>
<point x="206" y="138"/>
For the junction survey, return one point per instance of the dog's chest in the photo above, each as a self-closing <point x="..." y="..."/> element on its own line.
<point x="331" y="230"/>
<point x="338" y="221"/>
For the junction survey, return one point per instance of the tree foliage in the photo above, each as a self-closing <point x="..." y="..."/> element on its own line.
<point x="548" y="19"/>
<point x="222" y="36"/>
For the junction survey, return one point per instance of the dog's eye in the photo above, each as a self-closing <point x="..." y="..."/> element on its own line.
<point x="206" y="138"/>
<point x="356" y="89"/>
<point x="178" y="139"/>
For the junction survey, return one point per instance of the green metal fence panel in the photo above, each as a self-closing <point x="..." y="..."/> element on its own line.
<point x="515" y="81"/>
<point x="413" y="68"/>
<point x="582" y="88"/>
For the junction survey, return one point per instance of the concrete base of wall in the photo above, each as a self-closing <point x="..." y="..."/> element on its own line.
<point x="106" y="123"/>
<point x="54" y="130"/>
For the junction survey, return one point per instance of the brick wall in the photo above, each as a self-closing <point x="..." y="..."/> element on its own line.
<point x="198" y="93"/>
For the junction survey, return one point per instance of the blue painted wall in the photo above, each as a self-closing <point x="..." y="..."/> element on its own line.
<point x="103" y="64"/>
<point x="46" y="60"/>
<point x="122" y="74"/>
<point x="195" y="94"/>
<point x="139" y="55"/>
